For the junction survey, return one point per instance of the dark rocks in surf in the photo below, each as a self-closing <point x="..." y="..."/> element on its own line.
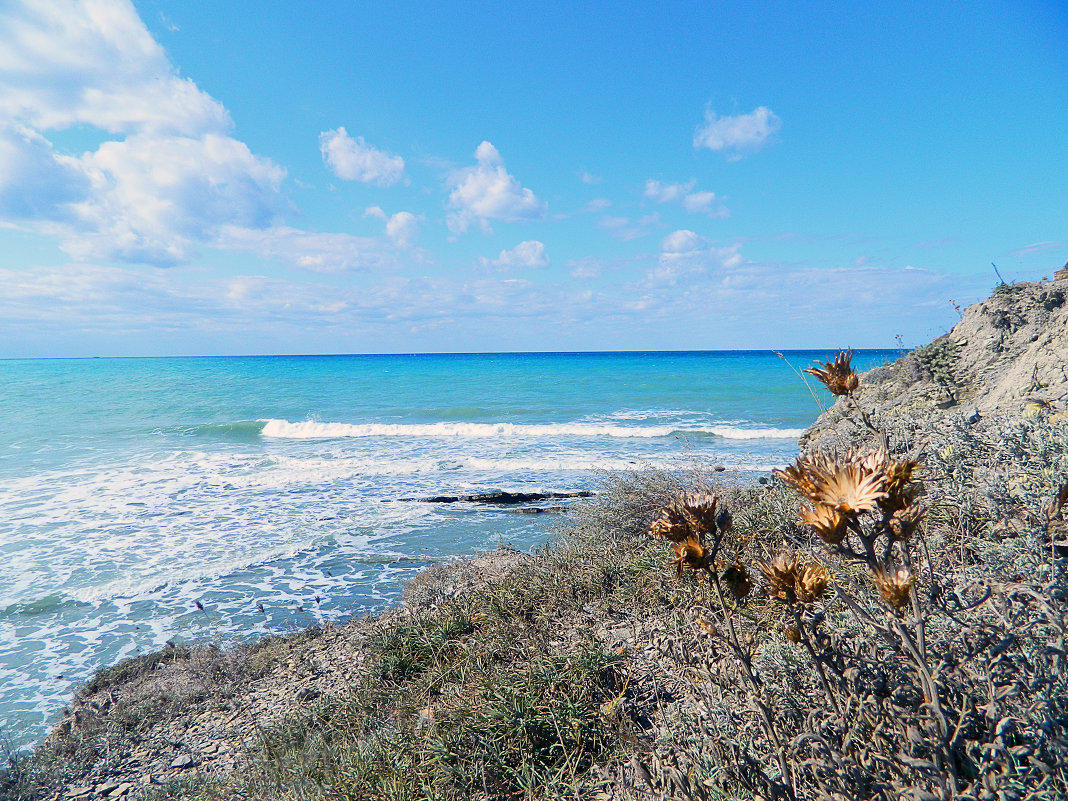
<point x="501" y="498"/>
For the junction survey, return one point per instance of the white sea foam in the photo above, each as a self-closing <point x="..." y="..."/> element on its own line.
<point x="311" y="429"/>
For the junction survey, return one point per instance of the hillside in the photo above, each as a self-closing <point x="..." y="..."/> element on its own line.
<point x="1008" y="356"/>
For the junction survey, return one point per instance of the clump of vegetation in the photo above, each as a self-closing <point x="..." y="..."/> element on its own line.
<point x="938" y="360"/>
<point x="905" y="682"/>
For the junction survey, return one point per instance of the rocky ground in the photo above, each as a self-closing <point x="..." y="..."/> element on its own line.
<point x="1008" y="355"/>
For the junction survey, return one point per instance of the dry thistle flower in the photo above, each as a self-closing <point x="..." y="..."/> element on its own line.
<point x="851" y="489"/>
<point x="781" y="573"/>
<point x="812" y="581"/>
<point x="802" y="474"/>
<point x="900" y="491"/>
<point x="850" y="486"/>
<point x="699" y="508"/>
<point x="692" y="516"/>
<point x="904" y="522"/>
<point x="793" y="634"/>
<point x="827" y="522"/>
<point x="737" y="579"/>
<point x="690" y="553"/>
<point x="895" y="585"/>
<point x="837" y="375"/>
<point x="793" y="581"/>
<point x="671" y="525"/>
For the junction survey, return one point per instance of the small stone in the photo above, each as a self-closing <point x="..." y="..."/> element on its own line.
<point x="121" y="790"/>
<point x="106" y="788"/>
<point x="75" y="792"/>
<point x="973" y="418"/>
<point x="183" y="761"/>
<point x="719" y="468"/>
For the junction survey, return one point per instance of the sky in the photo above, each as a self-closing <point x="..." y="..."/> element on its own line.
<point x="182" y="177"/>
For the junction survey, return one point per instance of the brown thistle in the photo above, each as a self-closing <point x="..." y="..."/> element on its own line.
<point x="692" y="516"/>
<point x="699" y="508"/>
<point x="895" y="585"/>
<point x="812" y="581"/>
<point x="851" y="489"/>
<point x="904" y="522"/>
<point x="672" y="524"/>
<point x="690" y="553"/>
<point x="837" y="375"/>
<point x="826" y="521"/>
<point x="805" y="473"/>
<point x="737" y="580"/>
<point x="850" y="486"/>
<point x="793" y="581"/>
<point x="900" y="491"/>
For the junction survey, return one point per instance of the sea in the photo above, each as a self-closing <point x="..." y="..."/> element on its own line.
<point x="154" y="500"/>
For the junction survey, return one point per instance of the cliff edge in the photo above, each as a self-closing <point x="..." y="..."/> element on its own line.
<point x="1008" y="356"/>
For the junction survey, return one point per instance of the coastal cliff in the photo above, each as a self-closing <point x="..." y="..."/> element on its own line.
<point x="1007" y="357"/>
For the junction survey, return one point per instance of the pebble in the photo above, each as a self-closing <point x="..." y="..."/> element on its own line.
<point x="183" y="761"/>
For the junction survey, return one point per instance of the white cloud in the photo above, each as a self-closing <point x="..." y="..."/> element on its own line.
<point x="1037" y="247"/>
<point x="155" y="194"/>
<point x="589" y="178"/>
<point x="693" y="202"/>
<point x="317" y="252"/>
<point x="487" y="192"/>
<point x="682" y="241"/>
<point x="526" y="255"/>
<point x="401" y="228"/>
<point x="355" y="160"/>
<point x="684" y="254"/>
<point x="742" y="133"/>
<point x="64" y="62"/>
<point x="154" y="198"/>
<point x="598" y="204"/>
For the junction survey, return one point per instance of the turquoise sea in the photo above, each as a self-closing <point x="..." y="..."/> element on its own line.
<point x="130" y="489"/>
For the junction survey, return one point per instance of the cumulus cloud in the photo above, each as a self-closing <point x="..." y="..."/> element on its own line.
<point x="65" y="62"/>
<point x="487" y="192"/>
<point x="526" y="255"/>
<point x="166" y="186"/>
<point x="684" y="194"/>
<point x="355" y="160"/>
<point x="738" y="134"/>
<point x="686" y="255"/>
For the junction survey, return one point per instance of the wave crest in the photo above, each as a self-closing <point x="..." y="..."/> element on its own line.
<point x="310" y="429"/>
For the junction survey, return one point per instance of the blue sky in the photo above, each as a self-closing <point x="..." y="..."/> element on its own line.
<point x="187" y="177"/>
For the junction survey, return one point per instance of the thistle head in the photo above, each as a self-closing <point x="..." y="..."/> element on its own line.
<point x="690" y="553"/>
<point x="837" y="375"/>
<point x="792" y="580"/>
<point x="895" y="585"/>
<point x="826" y="521"/>
<point x="904" y="522"/>
<point x="737" y="580"/>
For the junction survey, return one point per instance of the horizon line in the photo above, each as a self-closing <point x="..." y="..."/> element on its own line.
<point x="457" y="353"/>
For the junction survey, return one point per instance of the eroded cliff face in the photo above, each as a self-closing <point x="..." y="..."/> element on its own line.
<point x="1008" y="356"/>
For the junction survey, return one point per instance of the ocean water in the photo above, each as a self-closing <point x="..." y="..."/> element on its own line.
<point x="130" y="489"/>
